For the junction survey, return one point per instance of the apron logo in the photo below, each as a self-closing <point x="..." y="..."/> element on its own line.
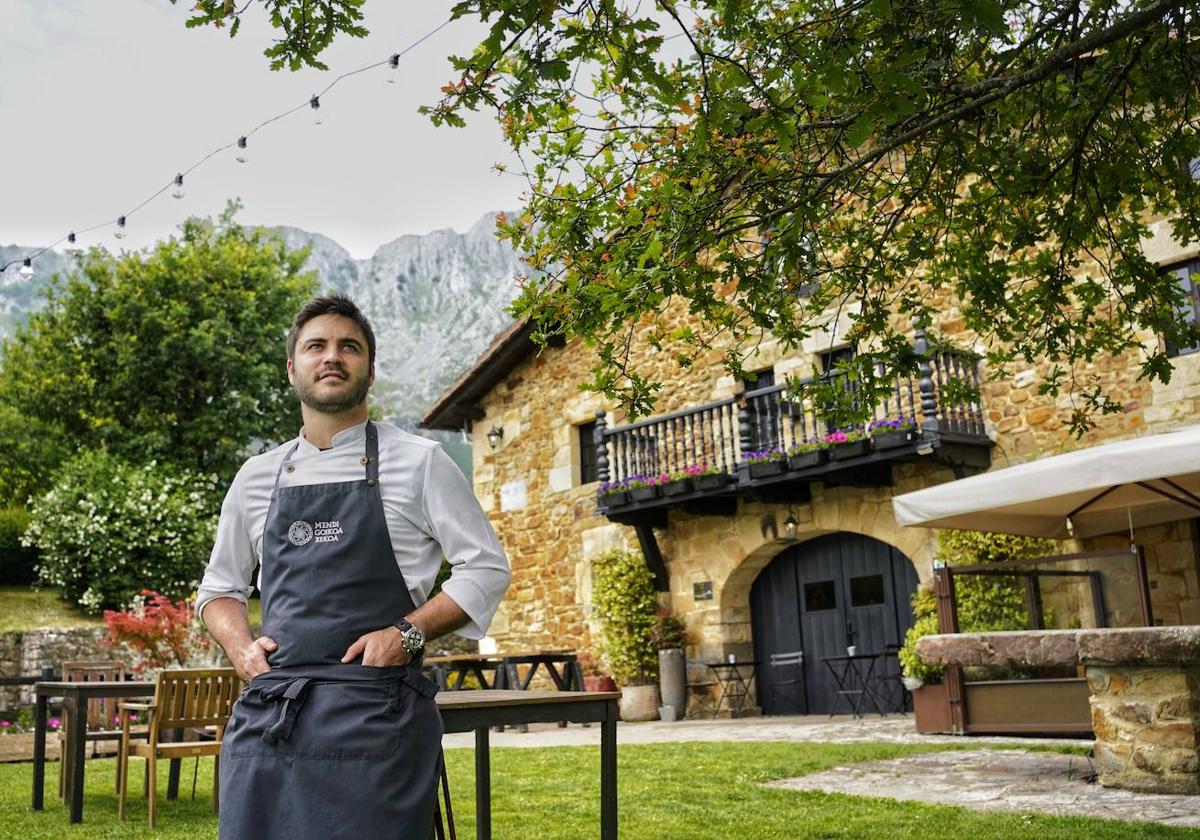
<point x="329" y="531"/>
<point x="300" y="533"/>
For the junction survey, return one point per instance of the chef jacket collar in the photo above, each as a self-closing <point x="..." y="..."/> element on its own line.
<point x="351" y="435"/>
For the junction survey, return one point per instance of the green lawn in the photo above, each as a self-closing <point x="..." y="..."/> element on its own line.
<point x="22" y="608"/>
<point x="689" y="791"/>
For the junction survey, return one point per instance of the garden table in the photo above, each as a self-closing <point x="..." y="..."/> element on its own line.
<point x="461" y="665"/>
<point x="466" y="711"/>
<point x="562" y="668"/>
<point x="853" y="675"/>
<point x="75" y="700"/>
<point x="733" y="684"/>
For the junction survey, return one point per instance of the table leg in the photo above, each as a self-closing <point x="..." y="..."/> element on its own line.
<point x="608" y="778"/>
<point x="39" y="750"/>
<point x="483" y="785"/>
<point x="75" y="745"/>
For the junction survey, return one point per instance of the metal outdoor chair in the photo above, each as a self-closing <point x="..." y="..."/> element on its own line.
<point x="787" y="677"/>
<point x="701" y="688"/>
<point x="888" y="683"/>
<point x="101" y="711"/>
<point x="184" y="699"/>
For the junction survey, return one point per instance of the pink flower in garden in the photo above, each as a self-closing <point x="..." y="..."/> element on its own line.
<point x="54" y="723"/>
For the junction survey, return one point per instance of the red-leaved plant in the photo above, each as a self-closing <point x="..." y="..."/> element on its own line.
<point x="157" y="632"/>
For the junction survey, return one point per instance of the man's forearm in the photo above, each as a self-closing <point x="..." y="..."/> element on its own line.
<point x="228" y="623"/>
<point x="438" y="616"/>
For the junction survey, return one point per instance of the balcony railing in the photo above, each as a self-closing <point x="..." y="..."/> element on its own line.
<point x="716" y="435"/>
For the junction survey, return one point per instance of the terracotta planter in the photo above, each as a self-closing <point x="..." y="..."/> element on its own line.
<point x="643" y="494"/>
<point x="677" y="488"/>
<point x="639" y="702"/>
<point x="807" y="460"/>
<point x="601" y="683"/>
<point x="852" y="449"/>
<point x="762" y="469"/>
<point x="931" y="708"/>
<point x="888" y="440"/>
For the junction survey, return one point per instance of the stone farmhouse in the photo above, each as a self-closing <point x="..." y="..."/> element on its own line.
<point x="808" y="558"/>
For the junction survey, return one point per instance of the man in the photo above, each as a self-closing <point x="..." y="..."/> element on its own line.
<point x="336" y="734"/>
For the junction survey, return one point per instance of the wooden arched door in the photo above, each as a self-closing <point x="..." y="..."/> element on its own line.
<point x="822" y="596"/>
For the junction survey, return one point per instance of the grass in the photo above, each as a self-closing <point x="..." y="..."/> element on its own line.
<point x="22" y="608"/>
<point x="690" y="791"/>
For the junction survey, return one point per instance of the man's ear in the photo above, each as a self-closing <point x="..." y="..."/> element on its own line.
<point x="371" y="379"/>
<point x="291" y="375"/>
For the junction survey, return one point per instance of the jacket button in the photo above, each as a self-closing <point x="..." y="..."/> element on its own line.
<point x="371" y="482"/>
<point x="363" y="460"/>
<point x="291" y="467"/>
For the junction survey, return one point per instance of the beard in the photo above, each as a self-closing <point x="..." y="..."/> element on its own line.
<point x="335" y="405"/>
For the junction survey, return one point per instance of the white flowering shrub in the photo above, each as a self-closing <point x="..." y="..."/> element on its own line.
<point x="109" y="529"/>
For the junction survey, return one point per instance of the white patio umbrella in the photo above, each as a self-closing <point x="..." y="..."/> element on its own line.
<point x="1099" y="490"/>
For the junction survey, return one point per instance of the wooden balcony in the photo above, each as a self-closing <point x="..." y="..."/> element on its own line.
<point x="718" y="436"/>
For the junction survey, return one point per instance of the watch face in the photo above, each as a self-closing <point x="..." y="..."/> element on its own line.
<point x="414" y="639"/>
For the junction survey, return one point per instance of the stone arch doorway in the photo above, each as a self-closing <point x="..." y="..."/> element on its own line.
<point x="821" y="596"/>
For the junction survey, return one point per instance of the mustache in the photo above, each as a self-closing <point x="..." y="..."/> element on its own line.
<point x="332" y="370"/>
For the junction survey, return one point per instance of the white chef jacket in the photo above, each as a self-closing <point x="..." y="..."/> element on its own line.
<point x="428" y="504"/>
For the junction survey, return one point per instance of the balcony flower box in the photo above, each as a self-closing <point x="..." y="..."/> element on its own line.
<point x="762" y="469"/>
<point x="712" y="481"/>
<point x="892" y="431"/>
<point x="850" y="449"/>
<point x="890" y="440"/>
<point x="643" y="494"/>
<point x="808" y="459"/>
<point x="677" y="487"/>
<point x="612" y="500"/>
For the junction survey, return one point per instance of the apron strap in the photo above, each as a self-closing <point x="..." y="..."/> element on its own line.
<point x="282" y="464"/>
<point x="293" y="692"/>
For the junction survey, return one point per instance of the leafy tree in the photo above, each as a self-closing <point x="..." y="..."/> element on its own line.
<point x="174" y="356"/>
<point x="763" y="163"/>
<point x="109" y="529"/>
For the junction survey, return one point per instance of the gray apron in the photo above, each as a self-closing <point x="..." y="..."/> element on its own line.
<point x="314" y="748"/>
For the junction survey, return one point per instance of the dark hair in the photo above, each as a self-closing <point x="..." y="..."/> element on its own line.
<point x="330" y="305"/>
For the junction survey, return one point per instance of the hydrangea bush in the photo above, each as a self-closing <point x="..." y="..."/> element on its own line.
<point x="108" y="530"/>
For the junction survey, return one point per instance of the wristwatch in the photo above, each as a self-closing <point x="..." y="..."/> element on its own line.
<point x="414" y="639"/>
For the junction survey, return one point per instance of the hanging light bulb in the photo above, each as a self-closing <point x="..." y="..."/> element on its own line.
<point x="315" y="104"/>
<point x="26" y="269"/>
<point x="71" y="238"/>
<point x="120" y="232"/>
<point x="394" y="64"/>
<point x="242" y="154"/>
<point x="178" y="191"/>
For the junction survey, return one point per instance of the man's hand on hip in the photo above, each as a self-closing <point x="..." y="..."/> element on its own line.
<point x="379" y="649"/>
<point x="251" y="660"/>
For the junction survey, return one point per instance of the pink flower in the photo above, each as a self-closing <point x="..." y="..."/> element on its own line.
<point x="54" y="723"/>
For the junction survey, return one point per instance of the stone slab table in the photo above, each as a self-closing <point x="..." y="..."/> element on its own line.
<point x="1144" y="685"/>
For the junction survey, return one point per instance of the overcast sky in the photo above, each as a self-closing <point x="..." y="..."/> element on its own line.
<point x="103" y="101"/>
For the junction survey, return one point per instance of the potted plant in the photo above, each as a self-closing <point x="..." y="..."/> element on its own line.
<point x="807" y="454"/>
<point x="670" y="636"/>
<point x="594" y="678"/>
<point x="680" y="481"/>
<point x="765" y="462"/>
<point x="847" y="444"/>
<point x="643" y="488"/>
<point x="891" y="432"/>
<point x="709" y="477"/>
<point x="623" y="601"/>
<point x="613" y="494"/>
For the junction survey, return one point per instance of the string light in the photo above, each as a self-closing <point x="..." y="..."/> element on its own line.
<point x="242" y="156"/>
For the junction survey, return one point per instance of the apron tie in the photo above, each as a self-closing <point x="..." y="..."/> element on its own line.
<point x="293" y="691"/>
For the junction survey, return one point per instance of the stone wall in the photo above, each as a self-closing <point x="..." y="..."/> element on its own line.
<point x="26" y="653"/>
<point x="529" y="484"/>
